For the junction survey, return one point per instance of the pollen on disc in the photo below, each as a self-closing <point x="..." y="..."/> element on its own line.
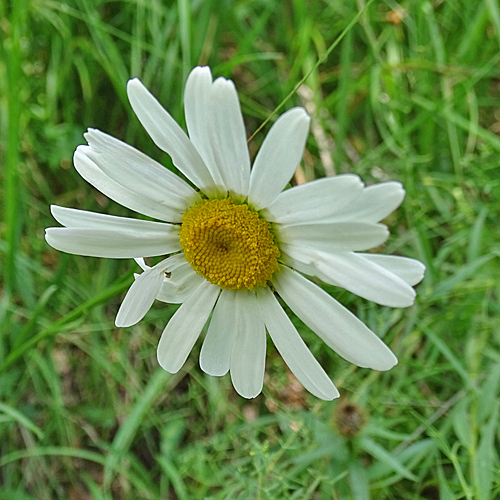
<point x="229" y="244"/>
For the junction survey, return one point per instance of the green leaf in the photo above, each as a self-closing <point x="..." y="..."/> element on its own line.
<point x="386" y="458"/>
<point x="484" y="460"/>
<point x="21" y="419"/>
<point x="460" y="418"/>
<point x="488" y="395"/>
<point x="128" y="430"/>
<point x="358" y="480"/>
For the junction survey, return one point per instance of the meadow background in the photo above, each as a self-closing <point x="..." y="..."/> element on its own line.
<point x="410" y="92"/>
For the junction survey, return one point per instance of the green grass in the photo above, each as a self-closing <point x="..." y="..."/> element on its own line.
<point x="85" y="412"/>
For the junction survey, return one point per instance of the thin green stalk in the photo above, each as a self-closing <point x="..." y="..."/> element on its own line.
<point x="12" y="199"/>
<point x="321" y="60"/>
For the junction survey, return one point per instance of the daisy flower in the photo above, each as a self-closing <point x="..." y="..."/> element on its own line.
<point x="235" y="239"/>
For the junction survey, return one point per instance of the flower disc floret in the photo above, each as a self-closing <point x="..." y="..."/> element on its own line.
<point x="229" y="244"/>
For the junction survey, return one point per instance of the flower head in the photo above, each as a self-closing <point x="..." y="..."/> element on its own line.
<point x="234" y="239"/>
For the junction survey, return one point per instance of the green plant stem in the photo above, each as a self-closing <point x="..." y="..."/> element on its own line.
<point x="12" y="198"/>
<point x="320" y="61"/>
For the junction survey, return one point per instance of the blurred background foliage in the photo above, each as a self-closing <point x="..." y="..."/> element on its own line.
<point x="410" y="93"/>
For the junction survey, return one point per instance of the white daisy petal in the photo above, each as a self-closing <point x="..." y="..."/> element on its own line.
<point x="305" y="266"/>
<point x="375" y="203"/>
<point x="114" y="189"/>
<point x="181" y="284"/>
<point x="141" y="295"/>
<point x="185" y="326"/>
<point x="83" y="219"/>
<point x="278" y="157"/>
<point x="333" y="237"/>
<point x="368" y="280"/>
<point x="138" y="173"/>
<point x="197" y="94"/>
<point x="315" y="200"/>
<point x="336" y="325"/>
<point x="227" y="137"/>
<point x="168" y="135"/>
<point x="292" y="348"/>
<point x="409" y="270"/>
<point x="215" y="355"/>
<point x="114" y="244"/>
<point x="248" y="355"/>
<point x="356" y="274"/>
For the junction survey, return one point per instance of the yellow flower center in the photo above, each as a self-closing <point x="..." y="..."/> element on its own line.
<point x="228" y="244"/>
